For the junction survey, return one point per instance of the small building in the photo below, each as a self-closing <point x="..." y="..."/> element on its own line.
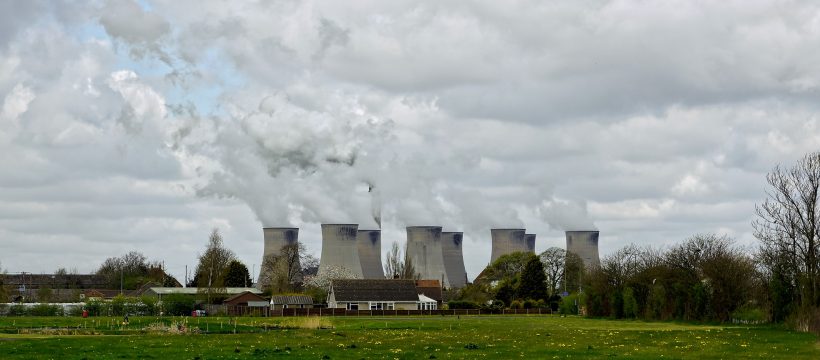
<point x="426" y="303"/>
<point x="430" y="289"/>
<point x="159" y="292"/>
<point x="373" y="294"/>
<point x="291" y="302"/>
<point x="246" y="298"/>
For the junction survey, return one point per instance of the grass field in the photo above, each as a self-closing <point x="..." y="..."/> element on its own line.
<point x="467" y="337"/>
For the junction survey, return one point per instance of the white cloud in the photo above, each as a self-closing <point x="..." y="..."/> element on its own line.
<point x="149" y="122"/>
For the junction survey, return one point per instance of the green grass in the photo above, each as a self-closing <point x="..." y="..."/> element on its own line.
<point x="467" y="337"/>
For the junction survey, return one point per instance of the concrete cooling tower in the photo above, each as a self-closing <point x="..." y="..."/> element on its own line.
<point x="530" y="240"/>
<point x="453" y="258"/>
<point x="585" y="245"/>
<point x="507" y="241"/>
<point x="369" y="243"/>
<point x="339" y="248"/>
<point x="275" y="239"/>
<point x="424" y="250"/>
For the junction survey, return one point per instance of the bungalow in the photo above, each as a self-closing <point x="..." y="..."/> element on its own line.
<point x="377" y="294"/>
<point x="291" y="302"/>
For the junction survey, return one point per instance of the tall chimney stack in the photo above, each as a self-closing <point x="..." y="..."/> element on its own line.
<point x="585" y="245"/>
<point x="507" y="241"/>
<point x="275" y="238"/>
<point x="369" y="243"/>
<point x="425" y="252"/>
<point x="454" y="258"/>
<point x="339" y="248"/>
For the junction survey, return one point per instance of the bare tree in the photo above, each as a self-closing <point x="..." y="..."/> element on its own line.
<point x="553" y="260"/>
<point x="283" y="271"/>
<point x="398" y="265"/>
<point x="212" y="267"/>
<point x="788" y="226"/>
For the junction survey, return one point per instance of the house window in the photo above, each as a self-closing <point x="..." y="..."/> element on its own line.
<point x="428" y="306"/>
<point x="353" y="306"/>
<point x="284" y="306"/>
<point x="382" y="305"/>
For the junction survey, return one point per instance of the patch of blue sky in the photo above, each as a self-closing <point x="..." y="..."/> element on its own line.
<point x="206" y="93"/>
<point x="89" y="31"/>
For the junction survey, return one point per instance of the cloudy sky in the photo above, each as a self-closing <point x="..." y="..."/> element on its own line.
<point x="143" y="125"/>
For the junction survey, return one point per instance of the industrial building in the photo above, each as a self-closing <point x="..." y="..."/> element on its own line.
<point x="529" y="239"/>
<point x="507" y="241"/>
<point x="275" y="238"/>
<point x="454" y="258"/>
<point x="425" y="251"/>
<point x="436" y="255"/>
<point x="369" y="244"/>
<point x="340" y="248"/>
<point x="585" y="245"/>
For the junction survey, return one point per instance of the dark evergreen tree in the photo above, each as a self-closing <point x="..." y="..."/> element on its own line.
<point x="237" y="275"/>
<point x="533" y="283"/>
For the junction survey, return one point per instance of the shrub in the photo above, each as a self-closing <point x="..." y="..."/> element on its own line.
<point x="516" y="304"/>
<point x="97" y="308"/>
<point x="749" y="313"/>
<point x="529" y="304"/>
<point x="178" y="304"/>
<point x="18" y="310"/>
<point x="569" y="305"/>
<point x="150" y="305"/>
<point x="46" y="310"/>
<point x="74" y="311"/>
<point x="453" y="305"/>
<point x="630" y="304"/>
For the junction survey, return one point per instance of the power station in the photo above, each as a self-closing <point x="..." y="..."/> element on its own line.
<point x="425" y="252"/>
<point x="585" y="245"/>
<point x="435" y="255"/>
<point x="507" y="241"/>
<point x="275" y="238"/>
<point x="530" y="241"/>
<point x="369" y="244"/>
<point x="453" y="258"/>
<point x="340" y="248"/>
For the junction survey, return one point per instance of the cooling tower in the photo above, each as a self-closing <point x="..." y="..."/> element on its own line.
<point x="453" y="258"/>
<point x="275" y="239"/>
<point x="424" y="250"/>
<point x="585" y="245"/>
<point x="506" y="241"/>
<point x="339" y="248"/>
<point x="530" y="241"/>
<point x="369" y="243"/>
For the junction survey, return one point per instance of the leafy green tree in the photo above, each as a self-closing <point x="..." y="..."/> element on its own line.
<point x="505" y="291"/>
<point x="508" y="266"/>
<point x="475" y="292"/>
<point x="533" y="283"/>
<point x="630" y="304"/>
<point x="237" y="275"/>
<point x="178" y="304"/>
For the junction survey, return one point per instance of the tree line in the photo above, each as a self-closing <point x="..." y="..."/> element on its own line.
<point x="707" y="277"/>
